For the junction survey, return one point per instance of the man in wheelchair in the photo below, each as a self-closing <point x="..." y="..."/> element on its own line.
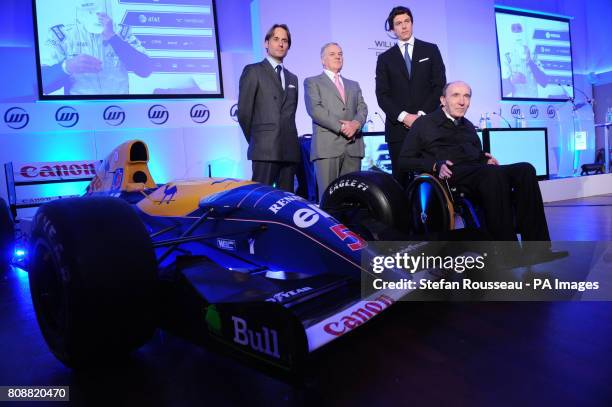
<point x="445" y="143"/>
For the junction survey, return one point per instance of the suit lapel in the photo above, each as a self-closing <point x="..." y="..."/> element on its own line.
<point x="332" y="86"/>
<point x="396" y="54"/>
<point x="416" y="54"/>
<point x="272" y="74"/>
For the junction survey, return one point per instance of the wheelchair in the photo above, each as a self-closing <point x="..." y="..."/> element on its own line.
<point x="375" y="205"/>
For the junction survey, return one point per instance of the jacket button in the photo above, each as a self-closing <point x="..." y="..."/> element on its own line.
<point x="274" y="97"/>
<point x="343" y="109"/>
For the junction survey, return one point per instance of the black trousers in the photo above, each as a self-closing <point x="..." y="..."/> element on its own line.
<point x="506" y="193"/>
<point x="279" y="173"/>
<point x="395" y="148"/>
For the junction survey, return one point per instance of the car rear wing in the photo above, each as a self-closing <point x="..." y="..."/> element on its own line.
<point x="43" y="173"/>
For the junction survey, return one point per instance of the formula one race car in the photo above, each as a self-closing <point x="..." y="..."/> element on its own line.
<point x="262" y="271"/>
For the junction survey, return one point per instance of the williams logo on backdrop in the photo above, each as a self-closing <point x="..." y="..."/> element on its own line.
<point x="67" y="116"/>
<point x="234" y="112"/>
<point x="199" y="113"/>
<point x="381" y="46"/>
<point x="158" y="114"/>
<point x="114" y="115"/>
<point x="551" y="112"/>
<point x="16" y="118"/>
<point x="515" y="111"/>
<point x="534" y="111"/>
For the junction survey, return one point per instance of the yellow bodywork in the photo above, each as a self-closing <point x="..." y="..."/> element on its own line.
<point x="126" y="170"/>
<point x="180" y="198"/>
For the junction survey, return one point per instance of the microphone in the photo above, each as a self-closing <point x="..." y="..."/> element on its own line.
<point x="380" y="117"/>
<point x="500" y="115"/>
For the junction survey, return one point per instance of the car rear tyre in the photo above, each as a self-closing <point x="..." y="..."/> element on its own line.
<point x="7" y="236"/>
<point x="371" y="203"/>
<point x="92" y="276"/>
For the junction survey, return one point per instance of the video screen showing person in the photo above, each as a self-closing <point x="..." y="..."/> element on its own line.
<point x="127" y="48"/>
<point x="535" y="56"/>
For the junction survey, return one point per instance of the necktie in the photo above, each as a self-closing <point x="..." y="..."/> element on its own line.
<point x="339" y="86"/>
<point x="408" y="60"/>
<point x="278" y="72"/>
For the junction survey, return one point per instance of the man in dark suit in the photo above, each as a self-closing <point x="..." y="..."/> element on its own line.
<point x="267" y="101"/>
<point x="409" y="81"/>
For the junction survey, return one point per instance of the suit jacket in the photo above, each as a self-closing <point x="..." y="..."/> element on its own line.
<point x="266" y="113"/>
<point x="396" y="92"/>
<point x="326" y="108"/>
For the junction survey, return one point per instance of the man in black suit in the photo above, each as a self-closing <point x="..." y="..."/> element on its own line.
<point x="445" y="143"/>
<point x="267" y="101"/>
<point x="409" y="81"/>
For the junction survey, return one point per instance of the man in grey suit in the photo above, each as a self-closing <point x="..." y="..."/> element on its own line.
<point x="338" y="111"/>
<point x="267" y="100"/>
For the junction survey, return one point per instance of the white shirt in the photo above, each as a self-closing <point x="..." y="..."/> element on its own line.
<point x="401" y="45"/>
<point x="274" y="64"/>
<point x="331" y="75"/>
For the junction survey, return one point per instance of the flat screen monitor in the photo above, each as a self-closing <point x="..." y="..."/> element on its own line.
<point x="121" y="49"/>
<point x="511" y="146"/>
<point x="534" y="55"/>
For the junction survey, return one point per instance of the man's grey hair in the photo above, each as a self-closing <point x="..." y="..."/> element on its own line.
<point x="445" y="88"/>
<point x="329" y="44"/>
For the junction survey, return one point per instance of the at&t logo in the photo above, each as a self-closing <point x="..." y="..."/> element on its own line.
<point x="16" y="118"/>
<point x="114" y="115"/>
<point x="515" y="111"/>
<point x="67" y="116"/>
<point x="158" y="114"/>
<point x="234" y="112"/>
<point x="199" y="113"/>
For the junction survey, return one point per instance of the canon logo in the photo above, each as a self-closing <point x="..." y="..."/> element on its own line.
<point x="114" y="115"/>
<point x="57" y="170"/>
<point x="158" y="114"/>
<point x="358" y="315"/>
<point x="199" y="113"/>
<point x="67" y="116"/>
<point x="16" y="118"/>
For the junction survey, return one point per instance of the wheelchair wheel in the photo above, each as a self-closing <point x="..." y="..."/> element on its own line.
<point x="371" y="203"/>
<point x="430" y="207"/>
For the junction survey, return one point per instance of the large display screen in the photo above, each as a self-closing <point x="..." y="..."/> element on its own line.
<point x="511" y="146"/>
<point x="535" y="56"/>
<point x="110" y="49"/>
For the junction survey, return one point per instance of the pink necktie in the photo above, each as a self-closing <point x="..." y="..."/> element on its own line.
<point x="339" y="86"/>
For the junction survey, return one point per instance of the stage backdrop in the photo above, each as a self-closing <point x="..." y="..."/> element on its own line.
<point x="465" y="34"/>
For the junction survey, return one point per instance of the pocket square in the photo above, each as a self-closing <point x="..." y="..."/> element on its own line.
<point x="291" y="86"/>
<point x="423" y="60"/>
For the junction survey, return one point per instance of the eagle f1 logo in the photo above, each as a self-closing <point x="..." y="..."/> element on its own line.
<point x="515" y="111"/>
<point x="234" y="112"/>
<point x="550" y="111"/>
<point x="534" y="111"/>
<point x="158" y="114"/>
<point x="113" y="115"/>
<point x="16" y="118"/>
<point x="67" y="116"/>
<point x="199" y="113"/>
